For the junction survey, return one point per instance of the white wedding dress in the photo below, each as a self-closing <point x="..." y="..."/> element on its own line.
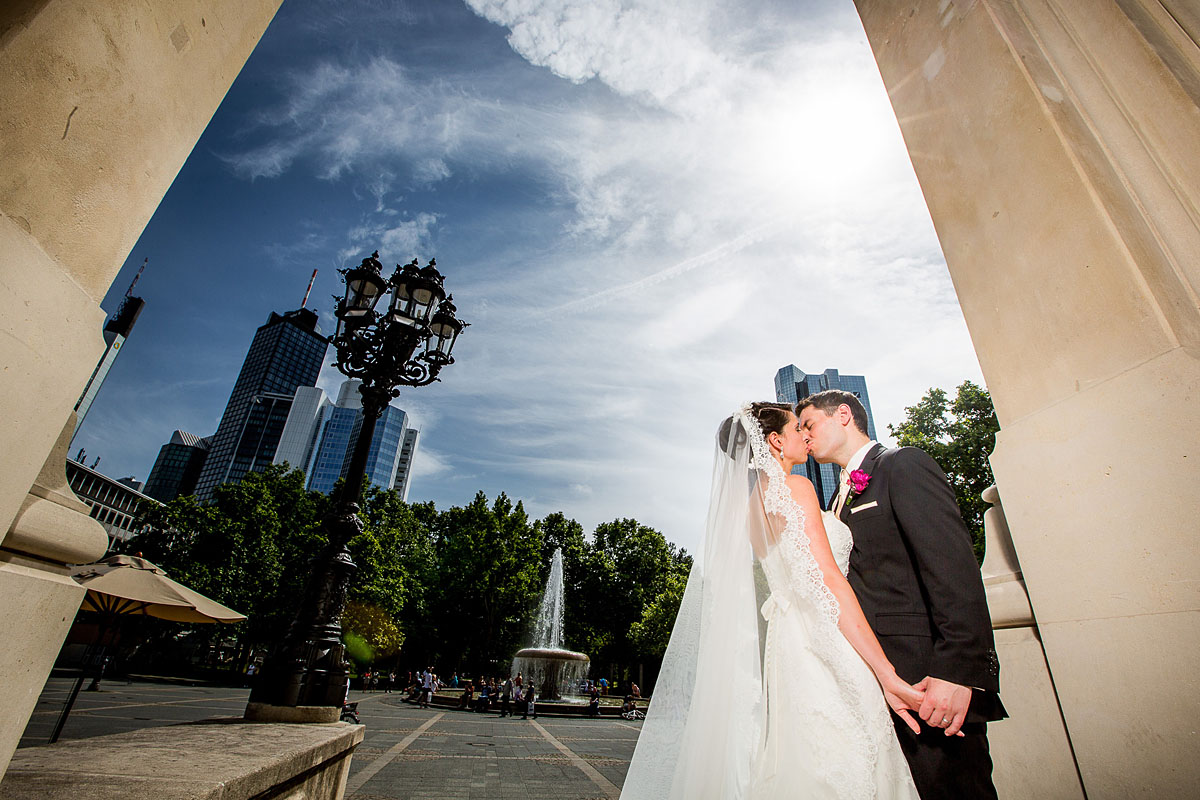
<point x="829" y="732"/>
<point x="739" y="712"/>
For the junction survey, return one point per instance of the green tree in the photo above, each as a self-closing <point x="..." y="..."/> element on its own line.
<point x="249" y="549"/>
<point x="377" y="634"/>
<point x="395" y="555"/>
<point x="651" y="634"/>
<point x="626" y="571"/>
<point x="959" y="435"/>
<point x="487" y="581"/>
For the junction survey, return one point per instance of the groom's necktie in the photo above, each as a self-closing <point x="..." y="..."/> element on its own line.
<point x="843" y="490"/>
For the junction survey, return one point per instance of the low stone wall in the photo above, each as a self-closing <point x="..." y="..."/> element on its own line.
<point x="544" y="708"/>
<point x="223" y="759"/>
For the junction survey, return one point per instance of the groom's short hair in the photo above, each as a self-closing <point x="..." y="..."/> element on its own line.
<point x="828" y="402"/>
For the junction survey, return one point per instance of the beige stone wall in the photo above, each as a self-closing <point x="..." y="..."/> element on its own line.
<point x="103" y="101"/>
<point x="1054" y="141"/>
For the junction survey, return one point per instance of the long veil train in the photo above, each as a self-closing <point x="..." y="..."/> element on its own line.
<point x="704" y="725"/>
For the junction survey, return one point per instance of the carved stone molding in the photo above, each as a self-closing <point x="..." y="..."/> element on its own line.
<point x="52" y="523"/>
<point x="1007" y="597"/>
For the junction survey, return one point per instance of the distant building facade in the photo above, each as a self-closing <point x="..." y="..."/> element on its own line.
<point x="116" y="331"/>
<point x="302" y="430"/>
<point x="287" y="352"/>
<point x="408" y="449"/>
<point x="114" y="503"/>
<point x="339" y="430"/>
<point x="177" y="467"/>
<point x="792" y="384"/>
<point x="319" y="438"/>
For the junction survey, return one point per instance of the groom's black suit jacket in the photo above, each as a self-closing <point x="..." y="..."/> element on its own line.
<point x="916" y="578"/>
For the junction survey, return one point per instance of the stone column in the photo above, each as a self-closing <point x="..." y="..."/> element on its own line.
<point x="103" y="101"/>
<point x="1033" y="756"/>
<point x="1055" y="142"/>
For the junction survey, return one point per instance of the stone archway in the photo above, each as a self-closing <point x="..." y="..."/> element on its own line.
<point x="103" y="102"/>
<point x="1054" y="141"/>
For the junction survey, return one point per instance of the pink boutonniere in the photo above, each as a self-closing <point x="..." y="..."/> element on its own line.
<point x="859" y="481"/>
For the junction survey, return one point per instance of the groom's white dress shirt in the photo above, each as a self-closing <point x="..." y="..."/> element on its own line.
<point x="844" y="484"/>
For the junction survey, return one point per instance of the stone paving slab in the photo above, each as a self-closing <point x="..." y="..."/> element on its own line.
<point x="464" y="756"/>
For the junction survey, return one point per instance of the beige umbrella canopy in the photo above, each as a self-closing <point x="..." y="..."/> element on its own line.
<point x="130" y="585"/>
<point x="126" y="585"/>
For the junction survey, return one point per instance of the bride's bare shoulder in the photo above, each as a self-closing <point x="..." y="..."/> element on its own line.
<point x="798" y="481"/>
<point x="802" y="487"/>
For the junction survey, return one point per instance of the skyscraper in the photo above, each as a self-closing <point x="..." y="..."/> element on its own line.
<point x="302" y="431"/>
<point x="791" y="384"/>
<point x="408" y="449"/>
<point x="177" y="467"/>
<point x="116" y="331"/>
<point x="319" y="438"/>
<point x="286" y="353"/>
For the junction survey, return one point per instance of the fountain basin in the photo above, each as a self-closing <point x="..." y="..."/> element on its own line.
<point x="552" y="653"/>
<point x="555" y="672"/>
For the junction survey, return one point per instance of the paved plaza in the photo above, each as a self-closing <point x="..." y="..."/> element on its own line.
<point x="422" y="754"/>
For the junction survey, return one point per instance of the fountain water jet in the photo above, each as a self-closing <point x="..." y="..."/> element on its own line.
<point x="554" y="670"/>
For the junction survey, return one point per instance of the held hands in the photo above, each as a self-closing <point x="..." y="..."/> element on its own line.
<point x="902" y="698"/>
<point x="944" y="704"/>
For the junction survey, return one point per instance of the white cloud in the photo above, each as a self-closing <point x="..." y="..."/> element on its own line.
<point x="426" y="463"/>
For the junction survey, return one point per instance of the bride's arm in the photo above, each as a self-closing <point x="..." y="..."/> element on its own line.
<point x="851" y="621"/>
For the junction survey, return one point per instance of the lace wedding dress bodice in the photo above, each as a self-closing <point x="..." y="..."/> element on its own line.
<point x="840" y="540"/>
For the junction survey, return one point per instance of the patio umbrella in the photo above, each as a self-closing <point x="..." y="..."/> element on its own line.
<point x="123" y="585"/>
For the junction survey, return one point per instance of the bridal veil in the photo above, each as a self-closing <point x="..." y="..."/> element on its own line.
<point x="704" y="725"/>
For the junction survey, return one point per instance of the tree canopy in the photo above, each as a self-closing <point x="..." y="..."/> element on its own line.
<point x="455" y="587"/>
<point x="959" y="434"/>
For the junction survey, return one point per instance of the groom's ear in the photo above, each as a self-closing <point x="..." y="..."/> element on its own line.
<point x="845" y="415"/>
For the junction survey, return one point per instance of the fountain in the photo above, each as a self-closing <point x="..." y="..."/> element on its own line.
<point x="554" y="670"/>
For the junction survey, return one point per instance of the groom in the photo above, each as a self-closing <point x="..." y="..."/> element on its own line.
<point x="917" y="581"/>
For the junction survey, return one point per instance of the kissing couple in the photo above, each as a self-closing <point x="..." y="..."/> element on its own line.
<point x="869" y="671"/>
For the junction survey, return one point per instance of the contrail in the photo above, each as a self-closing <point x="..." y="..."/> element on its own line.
<point x="734" y="245"/>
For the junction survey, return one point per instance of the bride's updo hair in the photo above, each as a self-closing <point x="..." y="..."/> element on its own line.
<point x="771" y="418"/>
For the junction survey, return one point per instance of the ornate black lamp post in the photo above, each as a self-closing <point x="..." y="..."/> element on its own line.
<point x="405" y="345"/>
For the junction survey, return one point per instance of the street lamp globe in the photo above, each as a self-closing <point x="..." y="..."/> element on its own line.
<point x="415" y="294"/>
<point x="364" y="287"/>
<point x="444" y="328"/>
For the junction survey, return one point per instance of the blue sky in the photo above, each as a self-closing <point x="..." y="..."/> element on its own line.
<point x="643" y="208"/>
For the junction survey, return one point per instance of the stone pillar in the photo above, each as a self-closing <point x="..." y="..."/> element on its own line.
<point x="1055" y="143"/>
<point x="1031" y="749"/>
<point x="103" y="101"/>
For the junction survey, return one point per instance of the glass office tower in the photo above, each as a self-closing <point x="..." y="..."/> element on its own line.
<point x="287" y="352"/>
<point x="319" y="438"/>
<point x="408" y="450"/>
<point x="791" y="384"/>
<point x="177" y="467"/>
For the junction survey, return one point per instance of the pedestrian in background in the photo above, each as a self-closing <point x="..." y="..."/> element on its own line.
<point x="530" y="703"/>
<point x="506" y="697"/>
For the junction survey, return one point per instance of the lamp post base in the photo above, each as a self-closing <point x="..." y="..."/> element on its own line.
<point x="265" y="712"/>
<point x="310" y="669"/>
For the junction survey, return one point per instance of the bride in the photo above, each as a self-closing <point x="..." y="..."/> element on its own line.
<point x="799" y="710"/>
